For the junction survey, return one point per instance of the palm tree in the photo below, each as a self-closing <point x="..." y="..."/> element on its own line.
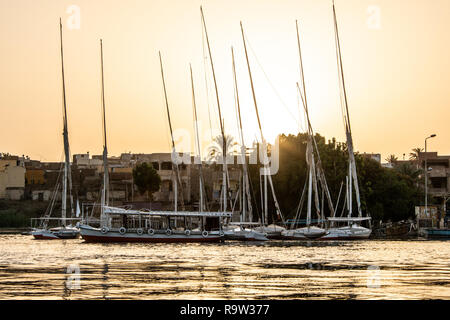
<point x="392" y="159"/>
<point x="410" y="171"/>
<point x="414" y="155"/>
<point x="215" y="151"/>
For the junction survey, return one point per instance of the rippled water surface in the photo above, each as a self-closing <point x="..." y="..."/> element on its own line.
<point x="72" y="269"/>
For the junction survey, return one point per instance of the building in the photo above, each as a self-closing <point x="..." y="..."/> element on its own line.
<point x="40" y="180"/>
<point x="85" y="161"/>
<point x="373" y="156"/>
<point x="34" y="176"/>
<point x="438" y="170"/>
<point x="12" y="178"/>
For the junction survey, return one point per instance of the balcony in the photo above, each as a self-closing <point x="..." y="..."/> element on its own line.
<point x="438" y="172"/>
<point x="437" y="191"/>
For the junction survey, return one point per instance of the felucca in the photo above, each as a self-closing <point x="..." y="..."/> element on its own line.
<point x="353" y="230"/>
<point x="51" y="227"/>
<point x="243" y="230"/>
<point x="314" y="173"/>
<point x="273" y="231"/>
<point x="232" y="230"/>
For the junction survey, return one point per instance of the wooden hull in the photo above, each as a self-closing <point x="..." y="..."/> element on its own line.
<point x="90" y="234"/>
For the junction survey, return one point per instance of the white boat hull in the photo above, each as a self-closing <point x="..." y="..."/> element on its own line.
<point x="354" y="232"/>
<point x="306" y="233"/>
<point x="244" y="235"/>
<point x="55" y="234"/>
<point x="272" y="231"/>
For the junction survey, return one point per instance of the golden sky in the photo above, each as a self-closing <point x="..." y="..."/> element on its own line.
<point x="395" y="55"/>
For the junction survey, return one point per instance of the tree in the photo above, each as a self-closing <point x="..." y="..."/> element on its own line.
<point x="387" y="194"/>
<point x="392" y="159"/>
<point x="414" y="155"/>
<point x="146" y="178"/>
<point x="215" y="151"/>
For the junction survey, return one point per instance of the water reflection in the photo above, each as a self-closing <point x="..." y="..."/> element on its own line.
<point x="32" y="269"/>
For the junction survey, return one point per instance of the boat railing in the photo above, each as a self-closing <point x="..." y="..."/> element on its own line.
<point x="53" y="222"/>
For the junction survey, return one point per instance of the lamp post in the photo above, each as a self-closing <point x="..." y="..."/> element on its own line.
<point x="426" y="175"/>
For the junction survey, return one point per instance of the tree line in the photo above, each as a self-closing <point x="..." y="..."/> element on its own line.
<point x="386" y="193"/>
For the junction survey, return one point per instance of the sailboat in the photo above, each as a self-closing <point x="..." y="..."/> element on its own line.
<point x="310" y="231"/>
<point x="221" y="122"/>
<point x="231" y="230"/>
<point x="64" y="230"/>
<point x="125" y="225"/>
<point x="243" y="230"/>
<point x="273" y="231"/>
<point x="353" y="230"/>
<point x="314" y="174"/>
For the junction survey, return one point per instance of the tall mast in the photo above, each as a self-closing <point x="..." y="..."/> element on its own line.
<point x="310" y="175"/>
<point x="348" y="130"/>
<point x="267" y="175"/>
<point x="321" y="172"/>
<point x="194" y="106"/>
<point x="224" y="143"/>
<point x="253" y="88"/>
<point x="105" y="191"/>
<point x="246" y="200"/>
<point x="263" y="141"/>
<point x="177" y="179"/>
<point x="67" y="173"/>
<point x="309" y="153"/>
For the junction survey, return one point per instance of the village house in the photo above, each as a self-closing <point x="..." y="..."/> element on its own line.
<point x="12" y="178"/>
<point x="438" y="169"/>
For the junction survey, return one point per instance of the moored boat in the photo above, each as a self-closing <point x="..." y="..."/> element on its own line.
<point x="122" y="225"/>
<point x="272" y="231"/>
<point x="306" y="233"/>
<point x="62" y="227"/>
<point x="316" y="177"/>
<point x="244" y="232"/>
<point x="67" y="232"/>
<point x="353" y="231"/>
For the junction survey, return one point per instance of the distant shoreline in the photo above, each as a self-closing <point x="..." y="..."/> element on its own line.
<point x="13" y="230"/>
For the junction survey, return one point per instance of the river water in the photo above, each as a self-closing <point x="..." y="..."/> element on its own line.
<point x="372" y="269"/>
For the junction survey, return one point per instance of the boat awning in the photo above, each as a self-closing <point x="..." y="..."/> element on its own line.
<point x="343" y="219"/>
<point x="118" y="211"/>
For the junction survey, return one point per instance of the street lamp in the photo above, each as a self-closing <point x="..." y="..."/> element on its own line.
<point x="426" y="175"/>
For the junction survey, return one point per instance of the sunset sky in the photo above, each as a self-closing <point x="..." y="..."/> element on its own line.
<point x="395" y="55"/>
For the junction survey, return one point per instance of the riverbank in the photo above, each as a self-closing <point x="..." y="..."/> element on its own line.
<point x="18" y="214"/>
<point x="14" y="230"/>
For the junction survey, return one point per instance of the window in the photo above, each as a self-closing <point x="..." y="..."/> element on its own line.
<point x="166" y="165"/>
<point x="155" y="165"/>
